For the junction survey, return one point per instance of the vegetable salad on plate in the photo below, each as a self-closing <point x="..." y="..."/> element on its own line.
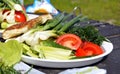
<point x="57" y="38"/>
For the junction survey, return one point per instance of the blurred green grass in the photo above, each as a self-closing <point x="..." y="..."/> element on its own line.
<point x="102" y="10"/>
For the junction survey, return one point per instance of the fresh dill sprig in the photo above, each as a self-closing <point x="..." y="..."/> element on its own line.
<point x="88" y="33"/>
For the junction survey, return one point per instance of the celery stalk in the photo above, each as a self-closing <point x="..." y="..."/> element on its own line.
<point x="53" y="53"/>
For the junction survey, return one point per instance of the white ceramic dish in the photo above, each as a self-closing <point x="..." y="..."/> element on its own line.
<point x="107" y="46"/>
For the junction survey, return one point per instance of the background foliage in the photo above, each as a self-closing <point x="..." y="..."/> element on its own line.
<point x="102" y="10"/>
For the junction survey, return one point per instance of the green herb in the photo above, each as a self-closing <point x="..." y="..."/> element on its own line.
<point x="88" y="33"/>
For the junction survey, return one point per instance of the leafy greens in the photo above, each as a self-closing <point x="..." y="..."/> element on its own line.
<point x="10" y="52"/>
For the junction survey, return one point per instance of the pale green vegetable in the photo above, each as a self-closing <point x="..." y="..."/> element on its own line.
<point x="33" y="38"/>
<point x="11" y="17"/>
<point x="10" y="52"/>
<point x="4" y="25"/>
<point x="28" y="51"/>
<point x="47" y="52"/>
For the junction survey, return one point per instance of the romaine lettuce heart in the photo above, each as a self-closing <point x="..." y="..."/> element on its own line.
<point x="10" y="52"/>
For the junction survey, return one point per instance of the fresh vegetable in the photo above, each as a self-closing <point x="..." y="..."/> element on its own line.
<point x="46" y="52"/>
<point x="11" y="4"/>
<point x="88" y="33"/>
<point x="28" y="51"/>
<point x="52" y="43"/>
<point x="10" y="54"/>
<point x="33" y="37"/>
<point x="55" y="39"/>
<point x="67" y="25"/>
<point x="81" y="53"/>
<point x="20" y="17"/>
<point x="69" y="40"/>
<point x="12" y="16"/>
<point x="4" y="25"/>
<point x="94" y="48"/>
<point x="64" y="20"/>
<point x="11" y="12"/>
<point x="51" y="24"/>
<point x="89" y="49"/>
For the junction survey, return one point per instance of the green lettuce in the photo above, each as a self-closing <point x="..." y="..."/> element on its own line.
<point x="10" y="52"/>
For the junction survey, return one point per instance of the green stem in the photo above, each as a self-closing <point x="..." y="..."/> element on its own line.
<point x="67" y="25"/>
<point x="10" y="3"/>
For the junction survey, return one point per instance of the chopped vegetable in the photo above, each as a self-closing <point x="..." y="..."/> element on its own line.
<point x="32" y="38"/>
<point x="71" y="41"/>
<point x="94" y="48"/>
<point x="53" y="53"/>
<point x="89" y="49"/>
<point x="52" y="43"/>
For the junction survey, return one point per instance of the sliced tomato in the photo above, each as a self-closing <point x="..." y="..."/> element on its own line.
<point x="70" y="40"/>
<point x="19" y="16"/>
<point x="88" y="49"/>
<point x="80" y="53"/>
<point x="96" y="49"/>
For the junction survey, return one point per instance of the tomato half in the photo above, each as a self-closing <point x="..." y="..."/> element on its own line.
<point x="80" y="53"/>
<point x="19" y="16"/>
<point x="96" y="49"/>
<point x="89" y="49"/>
<point x="71" y="41"/>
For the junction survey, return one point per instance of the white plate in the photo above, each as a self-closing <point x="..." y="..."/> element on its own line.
<point x="107" y="46"/>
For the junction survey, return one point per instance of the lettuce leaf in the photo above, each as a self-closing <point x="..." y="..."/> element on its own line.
<point x="10" y="52"/>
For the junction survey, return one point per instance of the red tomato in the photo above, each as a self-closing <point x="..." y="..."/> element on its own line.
<point x="89" y="49"/>
<point x="19" y="16"/>
<point x="80" y="52"/>
<point x="70" y="40"/>
<point x="89" y="46"/>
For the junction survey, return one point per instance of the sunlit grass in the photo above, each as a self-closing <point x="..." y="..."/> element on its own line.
<point x="102" y="10"/>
